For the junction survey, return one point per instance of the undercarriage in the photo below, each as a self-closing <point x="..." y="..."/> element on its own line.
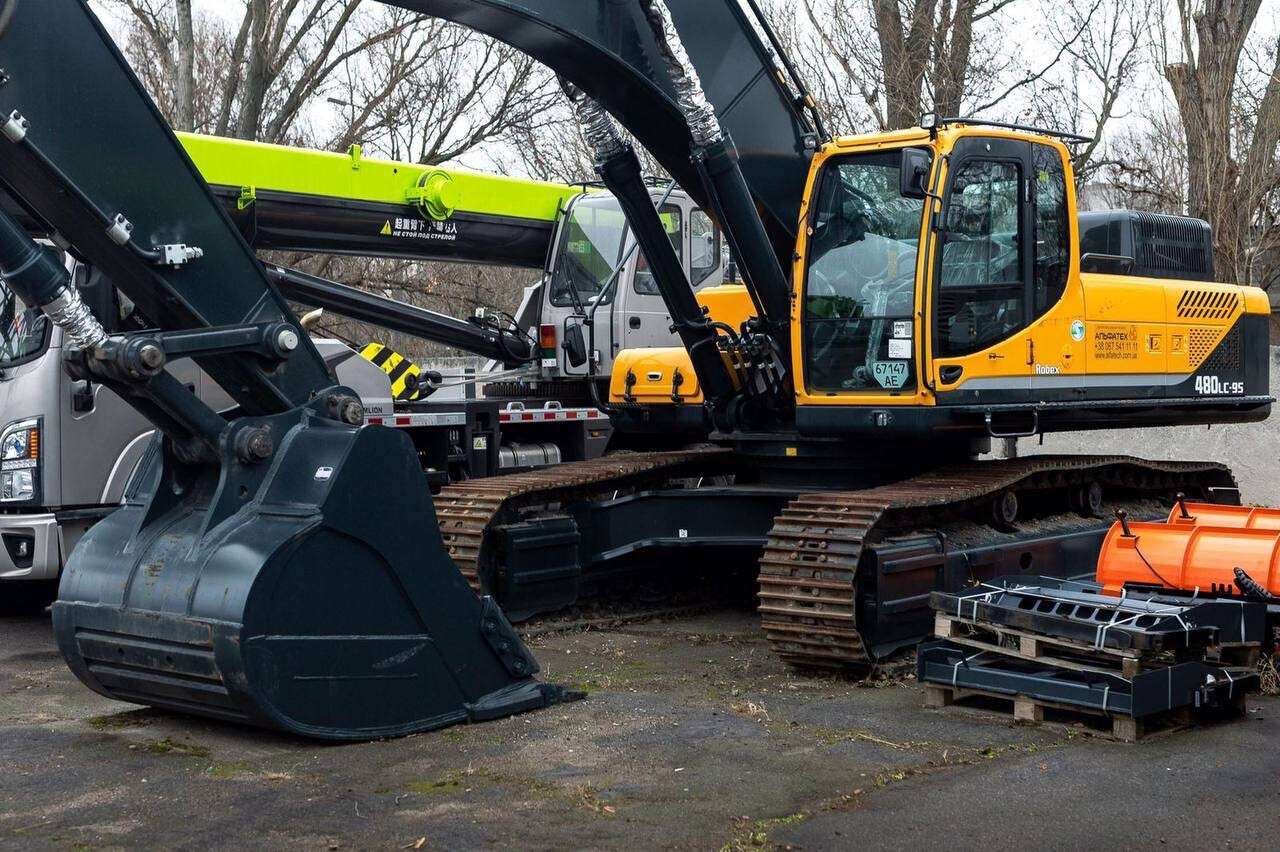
<point x="844" y="577"/>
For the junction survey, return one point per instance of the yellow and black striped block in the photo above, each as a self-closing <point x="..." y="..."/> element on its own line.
<point x="404" y="374"/>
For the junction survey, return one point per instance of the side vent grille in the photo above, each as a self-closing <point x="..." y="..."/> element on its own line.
<point x="1226" y="358"/>
<point x="1171" y="244"/>
<point x="1200" y="344"/>
<point x="1207" y="304"/>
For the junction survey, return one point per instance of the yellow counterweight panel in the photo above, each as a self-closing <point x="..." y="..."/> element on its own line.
<point x="646" y="376"/>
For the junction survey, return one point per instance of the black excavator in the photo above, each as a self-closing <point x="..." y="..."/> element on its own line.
<point x="244" y="578"/>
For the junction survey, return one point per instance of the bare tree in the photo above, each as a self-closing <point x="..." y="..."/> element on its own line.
<point x="281" y="55"/>
<point x="439" y="90"/>
<point x="1231" y="131"/>
<point x="905" y="57"/>
<point x="1147" y="169"/>
<point x="1104" y="47"/>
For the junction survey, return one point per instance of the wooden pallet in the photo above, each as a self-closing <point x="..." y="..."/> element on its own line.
<point x="1119" y="726"/>
<point x="1025" y="645"/>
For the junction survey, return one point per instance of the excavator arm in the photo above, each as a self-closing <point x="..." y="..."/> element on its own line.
<point x="244" y="578"/>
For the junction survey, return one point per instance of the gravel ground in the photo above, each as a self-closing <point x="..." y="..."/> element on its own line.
<point x="692" y="737"/>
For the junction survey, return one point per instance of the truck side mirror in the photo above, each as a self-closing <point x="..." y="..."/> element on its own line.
<point x="913" y="175"/>
<point x="575" y="345"/>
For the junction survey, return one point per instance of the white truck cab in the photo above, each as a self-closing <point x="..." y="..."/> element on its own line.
<point x="593" y="241"/>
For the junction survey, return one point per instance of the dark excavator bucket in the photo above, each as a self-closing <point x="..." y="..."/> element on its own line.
<point x="319" y="605"/>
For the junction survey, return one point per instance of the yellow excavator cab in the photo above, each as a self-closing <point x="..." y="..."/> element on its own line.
<point x="945" y="281"/>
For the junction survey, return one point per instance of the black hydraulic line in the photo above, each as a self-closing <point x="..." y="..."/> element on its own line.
<point x="745" y="232"/>
<point x="1251" y="588"/>
<point x="508" y="346"/>
<point x="622" y="175"/>
<point x="717" y="161"/>
<point x="30" y="270"/>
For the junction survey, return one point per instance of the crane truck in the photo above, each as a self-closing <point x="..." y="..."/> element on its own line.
<point x="907" y="296"/>
<point x="291" y="199"/>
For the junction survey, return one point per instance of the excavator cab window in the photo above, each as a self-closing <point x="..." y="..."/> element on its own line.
<point x="1053" y="232"/>
<point x="860" y="290"/>
<point x="981" y="287"/>
<point x="590" y="247"/>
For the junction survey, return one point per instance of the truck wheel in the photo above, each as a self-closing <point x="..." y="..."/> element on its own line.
<point x="27" y="597"/>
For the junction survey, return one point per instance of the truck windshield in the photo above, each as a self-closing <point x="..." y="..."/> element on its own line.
<point x="590" y="246"/>
<point x="23" y="331"/>
<point x="860" y="292"/>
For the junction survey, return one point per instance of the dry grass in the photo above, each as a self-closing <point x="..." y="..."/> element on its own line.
<point x="1269" y="669"/>
<point x="751" y="709"/>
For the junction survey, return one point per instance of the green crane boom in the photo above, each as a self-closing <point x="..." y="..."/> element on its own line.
<point x="306" y="200"/>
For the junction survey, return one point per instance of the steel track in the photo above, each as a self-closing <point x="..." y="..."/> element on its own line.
<point x="809" y="570"/>
<point x="468" y="511"/>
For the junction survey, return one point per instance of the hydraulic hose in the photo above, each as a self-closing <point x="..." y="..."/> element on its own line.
<point x="619" y="168"/>
<point x="35" y="274"/>
<point x="717" y="163"/>
<point x="1253" y="589"/>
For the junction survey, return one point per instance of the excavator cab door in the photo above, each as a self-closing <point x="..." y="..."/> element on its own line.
<point x="982" y="274"/>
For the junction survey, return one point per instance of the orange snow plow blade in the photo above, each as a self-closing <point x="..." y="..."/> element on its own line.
<point x="1214" y="515"/>
<point x="1189" y="557"/>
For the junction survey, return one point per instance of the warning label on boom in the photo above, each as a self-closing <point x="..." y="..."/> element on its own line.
<point x="420" y="229"/>
<point x="1115" y="342"/>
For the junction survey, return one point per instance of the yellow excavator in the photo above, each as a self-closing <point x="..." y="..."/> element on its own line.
<point x="906" y="298"/>
<point x="948" y="285"/>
